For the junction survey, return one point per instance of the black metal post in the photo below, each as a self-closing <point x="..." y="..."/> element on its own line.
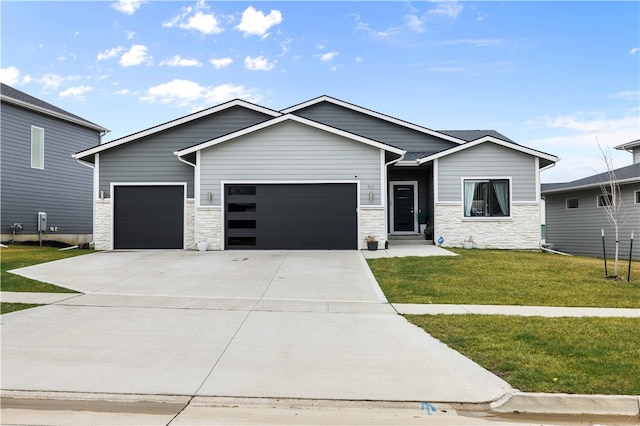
<point x="604" y="252"/>
<point x="630" y="253"/>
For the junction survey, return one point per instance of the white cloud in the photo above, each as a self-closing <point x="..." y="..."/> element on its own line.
<point x="576" y="139"/>
<point x="256" y="23"/>
<point x="447" y="9"/>
<point x="129" y="34"/>
<point x="128" y="7"/>
<point x="359" y="59"/>
<point x="10" y="75"/>
<point x="220" y="63"/>
<point x="634" y="51"/>
<point x="51" y="81"/>
<point x="481" y="42"/>
<point x="187" y="93"/>
<point x="259" y="63"/>
<point x="205" y="23"/>
<point x="75" y="92"/>
<point x="109" y="53"/>
<point x="136" y="55"/>
<point x="328" y="57"/>
<point x="630" y="95"/>
<point x="414" y="23"/>
<point x="384" y="34"/>
<point x="178" y="61"/>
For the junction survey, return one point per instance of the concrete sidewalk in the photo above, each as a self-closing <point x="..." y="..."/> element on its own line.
<point x="528" y="311"/>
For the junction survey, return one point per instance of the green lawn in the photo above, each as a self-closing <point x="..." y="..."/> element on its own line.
<point x="501" y="277"/>
<point x="5" y="308"/>
<point x="533" y="354"/>
<point x="18" y="256"/>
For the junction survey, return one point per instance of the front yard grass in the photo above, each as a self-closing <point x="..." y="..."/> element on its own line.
<point x="5" y="308"/>
<point x="534" y="354"/>
<point x="503" y="277"/>
<point x="19" y="256"/>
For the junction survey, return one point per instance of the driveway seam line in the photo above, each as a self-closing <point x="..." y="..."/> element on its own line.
<point x="244" y="320"/>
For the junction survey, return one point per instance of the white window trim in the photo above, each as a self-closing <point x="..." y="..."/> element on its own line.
<point x="566" y="203"/>
<point x="32" y="166"/>
<point x="486" y="218"/>
<point x="598" y="201"/>
<point x="636" y="198"/>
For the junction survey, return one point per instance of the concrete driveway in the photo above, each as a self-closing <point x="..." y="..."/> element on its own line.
<point x="283" y="324"/>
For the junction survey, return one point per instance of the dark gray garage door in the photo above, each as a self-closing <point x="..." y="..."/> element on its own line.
<point x="291" y="216"/>
<point x="148" y="217"/>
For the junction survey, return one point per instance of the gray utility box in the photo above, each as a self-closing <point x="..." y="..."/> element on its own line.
<point x="42" y="221"/>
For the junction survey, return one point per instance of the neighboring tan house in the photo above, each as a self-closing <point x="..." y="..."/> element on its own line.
<point x="575" y="217"/>
<point x="43" y="187"/>
<point x="324" y="174"/>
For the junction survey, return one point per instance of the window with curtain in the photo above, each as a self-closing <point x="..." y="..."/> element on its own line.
<point x="37" y="147"/>
<point x="486" y="198"/>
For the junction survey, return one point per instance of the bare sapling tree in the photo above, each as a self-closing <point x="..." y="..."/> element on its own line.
<point x="612" y="202"/>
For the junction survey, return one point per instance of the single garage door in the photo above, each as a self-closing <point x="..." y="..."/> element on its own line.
<point x="291" y="216"/>
<point x="148" y="217"/>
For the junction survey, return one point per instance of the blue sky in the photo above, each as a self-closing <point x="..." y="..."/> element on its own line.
<point x="554" y="76"/>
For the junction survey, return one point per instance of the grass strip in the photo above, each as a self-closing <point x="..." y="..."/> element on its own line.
<point x="535" y="354"/>
<point x="19" y="256"/>
<point x="502" y="277"/>
<point x="5" y="307"/>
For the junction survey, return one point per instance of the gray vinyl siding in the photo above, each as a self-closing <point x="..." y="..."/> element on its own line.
<point x="63" y="189"/>
<point x="151" y="159"/>
<point x="579" y="231"/>
<point x="290" y="151"/>
<point x="374" y="128"/>
<point x="487" y="160"/>
<point x="636" y="155"/>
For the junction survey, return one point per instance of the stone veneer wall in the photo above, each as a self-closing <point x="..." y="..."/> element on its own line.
<point x="209" y="226"/>
<point x="372" y="222"/>
<point x="521" y="231"/>
<point x="189" y="223"/>
<point x="102" y="237"/>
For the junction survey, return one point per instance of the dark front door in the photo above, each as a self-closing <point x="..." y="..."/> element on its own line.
<point x="148" y="217"/>
<point x="291" y="216"/>
<point x="403" y="214"/>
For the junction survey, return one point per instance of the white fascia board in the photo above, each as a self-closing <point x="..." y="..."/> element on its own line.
<point x="289" y="117"/>
<point x="591" y="186"/>
<point x="177" y="122"/>
<point x="491" y="139"/>
<point x="373" y="114"/>
<point x="54" y="114"/>
<point x="628" y="146"/>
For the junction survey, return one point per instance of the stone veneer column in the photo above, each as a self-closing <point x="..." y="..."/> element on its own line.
<point x="209" y="226"/>
<point x="372" y="222"/>
<point x="521" y="231"/>
<point x="190" y="225"/>
<point x="102" y="236"/>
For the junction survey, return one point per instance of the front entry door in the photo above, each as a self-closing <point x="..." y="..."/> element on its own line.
<point x="404" y="217"/>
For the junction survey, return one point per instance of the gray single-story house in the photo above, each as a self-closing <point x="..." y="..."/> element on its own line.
<point x="43" y="188"/>
<point x="323" y="174"/>
<point x="575" y="217"/>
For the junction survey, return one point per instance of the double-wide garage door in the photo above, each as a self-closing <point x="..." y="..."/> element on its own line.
<point x="291" y="216"/>
<point x="148" y="217"/>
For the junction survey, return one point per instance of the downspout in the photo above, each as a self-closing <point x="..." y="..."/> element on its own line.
<point x="196" y="195"/>
<point x="385" y="202"/>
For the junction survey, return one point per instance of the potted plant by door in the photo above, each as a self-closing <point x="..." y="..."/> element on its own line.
<point x="372" y="243"/>
<point x="202" y="245"/>
<point x="468" y="243"/>
<point x="422" y="220"/>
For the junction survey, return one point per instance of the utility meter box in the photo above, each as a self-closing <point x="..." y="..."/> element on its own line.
<point x="42" y="221"/>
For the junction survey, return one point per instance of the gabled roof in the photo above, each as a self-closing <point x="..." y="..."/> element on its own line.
<point x="624" y="175"/>
<point x="472" y="135"/>
<point x="283" y="118"/>
<point x="174" y="123"/>
<point x="548" y="158"/>
<point x="16" y="97"/>
<point x="628" y="146"/>
<point x="388" y="118"/>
